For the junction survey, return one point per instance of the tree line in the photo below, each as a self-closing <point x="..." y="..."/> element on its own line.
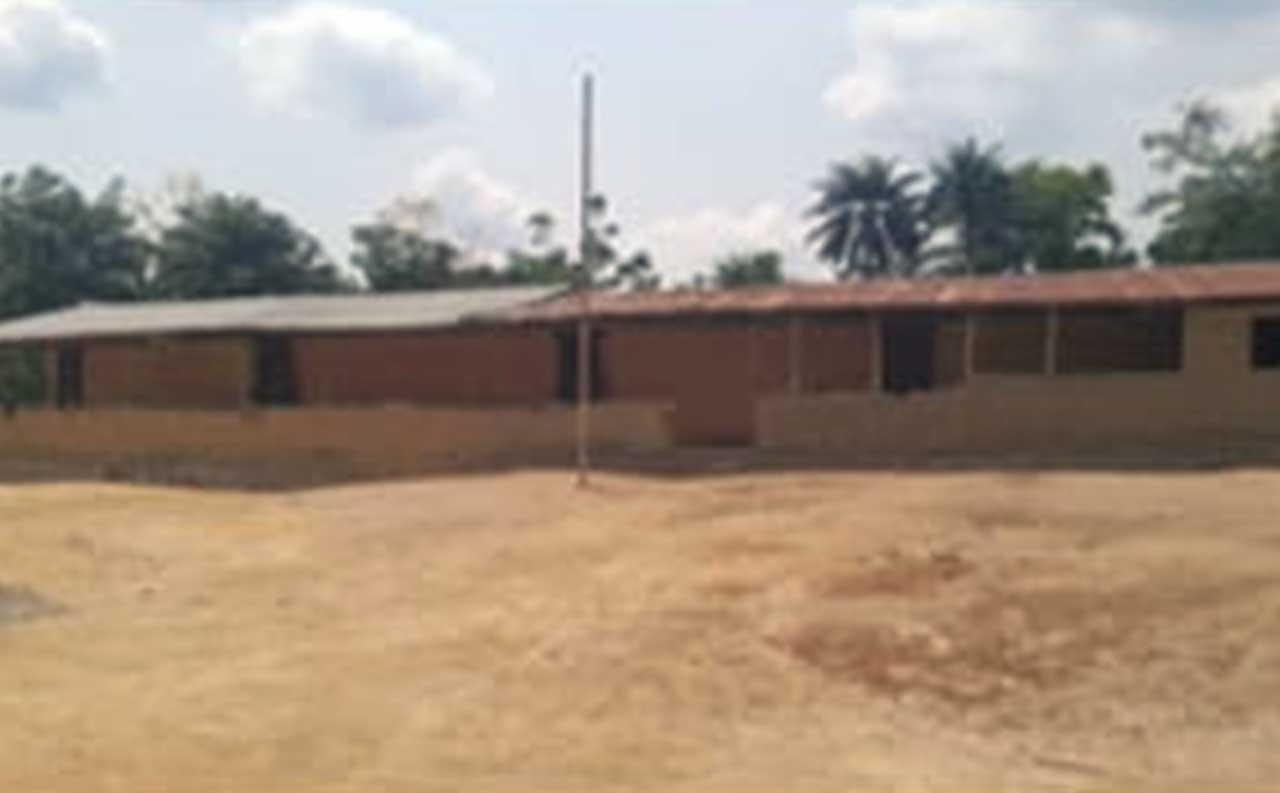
<point x="59" y="247"/>
<point x="972" y="212"/>
<point x="969" y="212"/>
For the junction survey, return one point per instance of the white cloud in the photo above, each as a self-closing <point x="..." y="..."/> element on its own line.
<point x="994" y="68"/>
<point x="366" y="63"/>
<point x="686" y="245"/>
<point x="488" y="216"/>
<point x="473" y="207"/>
<point x="1251" y="105"/>
<point x="48" y="55"/>
<point x="1073" y="79"/>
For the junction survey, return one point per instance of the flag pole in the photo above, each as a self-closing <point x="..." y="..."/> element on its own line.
<point x="586" y="251"/>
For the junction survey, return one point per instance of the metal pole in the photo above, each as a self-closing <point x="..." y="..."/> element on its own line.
<point x="585" y="254"/>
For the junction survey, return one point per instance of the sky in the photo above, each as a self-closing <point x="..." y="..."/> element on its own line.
<point x="714" y="119"/>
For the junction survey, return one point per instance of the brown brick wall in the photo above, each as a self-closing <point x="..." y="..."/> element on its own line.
<point x="175" y="372"/>
<point x="836" y="354"/>
<point x="1119" y="339"/>
<point x="1011" y="342"/>
<point x="1216" y="395"/>
<point x="467" y="366"/>
<point x="713" y="370"/>
<point x="706" y="368"/>
<point x="771" y="356"/>
<point x="949" y="351"/>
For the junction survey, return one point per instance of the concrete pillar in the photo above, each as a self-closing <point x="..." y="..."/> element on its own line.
<point x="877" y="353"/>
<point x="1051" y="342"/>
<point x="970" y="343"/>
<point x="795" y="354"/>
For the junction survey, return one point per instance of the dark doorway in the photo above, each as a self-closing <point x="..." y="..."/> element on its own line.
<point x="1266" y="343"/>
<point x="567" y="382"/>
<point x="908" y="343"/>
<point x="274" y="379"/>
<point x="69" y="390"/>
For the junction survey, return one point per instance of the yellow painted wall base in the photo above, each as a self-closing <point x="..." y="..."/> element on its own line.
<point x="383" y="439"/>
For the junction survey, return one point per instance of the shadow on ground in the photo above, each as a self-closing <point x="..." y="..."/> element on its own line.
<point x="320" y="470"/>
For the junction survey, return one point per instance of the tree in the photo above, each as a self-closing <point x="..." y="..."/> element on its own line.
<point x="394" y="259"/>
<point x="869" y="219"/>
<point x="634" y="273"/>
<point x="748" y="269"/>
<point x="547" y="262"/>
<point x="972" y="198"/>
<point x="58" y="248"/>
<point x="1224" y="202"/>
<point x="544" y="261"/>
<point x="536" y="267"/>
<point x="611" y="268"/>
<point x="228" y="246"/>
<point x="156" y="210"/>
<point x="22" y="377"/>
<point x="1062" y="219"/>
<point x="541" y="227"/>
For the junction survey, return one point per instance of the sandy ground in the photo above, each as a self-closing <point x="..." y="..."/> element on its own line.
<point x="817" y="632"/>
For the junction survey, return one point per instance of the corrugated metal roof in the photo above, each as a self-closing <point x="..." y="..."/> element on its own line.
<point x="302" y="313"/>
<point x="1206" y="283"/>
<point x="422" y="310"/>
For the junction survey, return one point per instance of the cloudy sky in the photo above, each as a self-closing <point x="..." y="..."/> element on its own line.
<point x="715" y="116"/>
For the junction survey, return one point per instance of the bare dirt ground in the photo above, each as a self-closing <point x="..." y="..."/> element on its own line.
<point x="819" y="632"/>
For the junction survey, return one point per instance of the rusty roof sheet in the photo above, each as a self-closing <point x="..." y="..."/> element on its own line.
<point x="1193" y="284"/>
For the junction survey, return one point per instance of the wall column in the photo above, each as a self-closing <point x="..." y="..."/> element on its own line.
<point x="877" y="355"/>
<point x="970" y="343"/>
<point x="1051" y="342"/>
<point x="795" y="353"/>
<point x="249" y="373"/>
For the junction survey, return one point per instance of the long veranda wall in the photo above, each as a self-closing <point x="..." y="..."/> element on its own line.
<point x="1215" y="394"/>
<point x="377" y="438"/>
<point x="811" y="390"/>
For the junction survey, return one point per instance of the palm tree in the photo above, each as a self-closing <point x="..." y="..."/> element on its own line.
<point x="972" y="196"/>
<point x="870" y="219"/>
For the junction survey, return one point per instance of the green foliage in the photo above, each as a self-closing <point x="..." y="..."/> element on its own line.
<point x="870" y="219"/>
<point x="546" y="267"/>
<point x="634" y="273"/>
<point x="1062" y="218"/>
<point x="231" y="246"/>
<point x="21" y="377"/>
<point x="547" y="263"/>
<point x="1225" y="198"/>
<point x="58" y="248"/>
<point x="972" y="201"/>
<point x="610" y="267"/>
<point x="394" y="259"/>
<point x="543" y="262"/>
<point x="759" y="268"/>
<point x="978" y="216"/>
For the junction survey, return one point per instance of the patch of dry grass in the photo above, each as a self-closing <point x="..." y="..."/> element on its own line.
<point x="818" y="631"/>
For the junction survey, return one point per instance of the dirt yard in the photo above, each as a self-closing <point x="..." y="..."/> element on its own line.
<point x="816" y="632"/>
